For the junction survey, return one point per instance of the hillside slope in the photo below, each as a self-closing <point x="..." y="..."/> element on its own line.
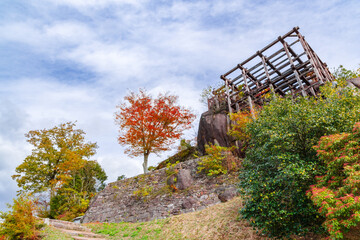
<point x="169" y="191"/>
<point x="215" y="222"/>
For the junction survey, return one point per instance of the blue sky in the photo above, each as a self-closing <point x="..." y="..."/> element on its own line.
<point x="74" y="60"/>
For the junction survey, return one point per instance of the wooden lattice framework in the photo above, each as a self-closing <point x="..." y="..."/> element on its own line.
<point x="288" y="65"/>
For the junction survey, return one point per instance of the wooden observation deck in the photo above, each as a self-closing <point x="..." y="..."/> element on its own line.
<point x="288" y="65"/>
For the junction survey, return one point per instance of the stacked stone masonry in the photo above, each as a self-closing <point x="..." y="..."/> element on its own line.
<point x="160" y="194"/>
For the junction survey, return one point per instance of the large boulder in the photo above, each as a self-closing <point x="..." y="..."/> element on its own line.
<point x="226" y="194"/>
<point x="184" y="179"/>
<point x="213" y="129"/>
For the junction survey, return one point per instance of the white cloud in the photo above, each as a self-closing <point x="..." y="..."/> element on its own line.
<point x="113" y="62"/>
<point x="175" y="46"/>
<point x="93" y="3"/>
<point x="11" y="149"/>
<point x="68" y="32"/>
<point x="23" y="32"/>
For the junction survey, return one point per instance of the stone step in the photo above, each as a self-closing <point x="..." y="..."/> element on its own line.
<point x="85" y="234"/>
<point x="66" y="225"/>
<point x="75" y="230"/>
<point x="87" y="238"/>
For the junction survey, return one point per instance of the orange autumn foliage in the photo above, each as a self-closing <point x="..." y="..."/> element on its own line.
<point x="150" y="125"/>
<point x="20" y="222"/>
<point x="239" y="122"/>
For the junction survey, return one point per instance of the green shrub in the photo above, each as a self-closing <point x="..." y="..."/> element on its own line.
<point x="337" y="193"/>
<point x="281" y="164"/>
<point x="122" y="177"/>
<point x="341" y="74"/>
<point x="218" y="160"/>
<point x="142" y="192"/>
<point x="170" y="169"/>
<point x="20" y="222"/>
<point x="238" y="126"/>
<point x="68" y="204"/>
<point x="185" y="152"/>
<point x="171" y="175"/>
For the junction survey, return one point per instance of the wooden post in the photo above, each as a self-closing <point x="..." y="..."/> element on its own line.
<point x="248" y="90"/>
<point x="267" y="75"/>
<point x="217" y="104"/>
<point x="228" y="95"/>
<point x="293" y="67"/>
<point x="311" y="57"/>
<point x="228" y="127"/>
<point x="237" y="107"/>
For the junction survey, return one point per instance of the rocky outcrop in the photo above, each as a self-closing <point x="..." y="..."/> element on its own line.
<point x="225" y="194"/>
<point x="182" y="156"/>
<point x="213" y="128"/>
<point x="184" y="179"/>
<point x="354" y="82"/>
<point x="159" y="194"/>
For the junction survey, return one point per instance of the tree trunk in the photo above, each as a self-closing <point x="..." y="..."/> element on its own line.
<point x="52" y="195"/>
<point x="146" y="156"/>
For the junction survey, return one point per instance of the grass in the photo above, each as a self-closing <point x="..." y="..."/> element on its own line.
<point x="216" y="222"/>
<point x="51" y="233"/>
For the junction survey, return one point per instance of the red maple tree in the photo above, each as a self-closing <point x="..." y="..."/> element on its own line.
<point x="150" y="125"/>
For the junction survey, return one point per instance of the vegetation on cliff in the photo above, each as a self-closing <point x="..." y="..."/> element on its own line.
<point x="281" y="163"/>
<point x="185" y="152"/>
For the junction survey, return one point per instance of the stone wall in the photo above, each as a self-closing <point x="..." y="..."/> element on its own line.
<point x="159" y="194"/>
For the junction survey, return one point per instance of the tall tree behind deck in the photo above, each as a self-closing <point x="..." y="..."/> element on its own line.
<point x="150" y="125"/>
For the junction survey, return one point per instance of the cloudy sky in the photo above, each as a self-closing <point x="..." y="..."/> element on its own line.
<point x="75" y="60"/>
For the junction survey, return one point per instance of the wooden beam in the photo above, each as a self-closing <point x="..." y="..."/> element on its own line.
<point x="267" y="73"/>
<point x="293" y="67"/>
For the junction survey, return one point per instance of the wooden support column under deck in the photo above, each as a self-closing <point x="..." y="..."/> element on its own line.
<point x="311" y="58"/>
<point x="248" y="90"/>
<point x="228" y="95"/>
<point x="267" y="74"/>
<point x="319" y="65"/>
<point x="293" y="67"/>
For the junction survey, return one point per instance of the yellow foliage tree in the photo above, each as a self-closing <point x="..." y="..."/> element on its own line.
<point x="58" y="154"/>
